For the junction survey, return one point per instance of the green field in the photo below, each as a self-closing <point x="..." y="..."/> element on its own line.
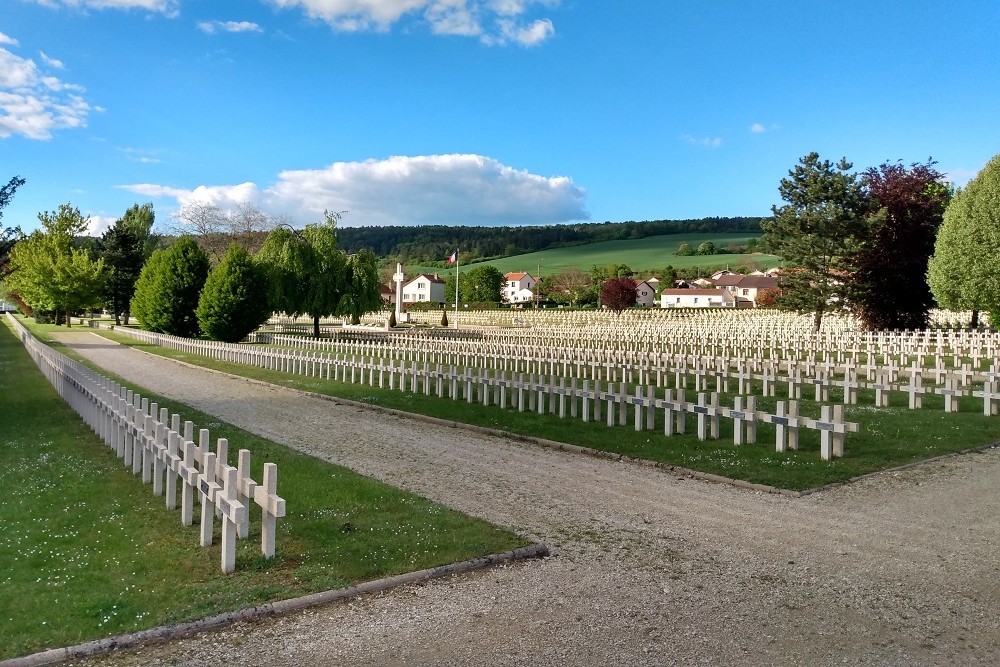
<point x="642" y="255"/>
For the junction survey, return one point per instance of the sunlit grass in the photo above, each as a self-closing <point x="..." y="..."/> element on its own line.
<point x="89" y="552"/>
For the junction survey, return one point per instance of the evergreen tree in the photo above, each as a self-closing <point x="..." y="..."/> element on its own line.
<point x="123" y="252"/>
<point x="817" y="232"/>
<point x="167" y="291"/>
<point x="233" y="302"/>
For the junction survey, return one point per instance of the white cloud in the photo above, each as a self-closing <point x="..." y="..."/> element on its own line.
<point x="33" y="104"/>
<point x="445" y="17"/>
<point x="168" y="8"/>
<point x="430" y="189"/>
<point x="51" y="62"/>
<point x="510" y="32"/>
<point x="961" y="176"/>
<point x="708" y="142"/>
<point x="757" y="128"/>
<point x="211" y="27"/>
<point x="98" y="224"/>
<point x="7" y="39"/>
<point x="139" y="155"/>
<point x="156" y="191"/>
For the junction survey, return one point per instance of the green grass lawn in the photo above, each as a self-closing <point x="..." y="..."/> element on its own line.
<point x="89" y="552"/>
<point x="889" y="437"/>
<point x="642" y="255"/>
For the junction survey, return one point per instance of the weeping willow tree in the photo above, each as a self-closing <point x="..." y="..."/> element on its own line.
<point x="362" y="293"/>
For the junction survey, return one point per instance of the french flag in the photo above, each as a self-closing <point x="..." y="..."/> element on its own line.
<point x="454" y="256"/>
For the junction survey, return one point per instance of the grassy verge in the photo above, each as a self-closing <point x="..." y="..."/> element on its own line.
<point x="889" y="437"/>
<point x="89" y="552"/>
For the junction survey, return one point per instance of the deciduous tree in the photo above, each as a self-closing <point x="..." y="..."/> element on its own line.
<point x="964" y="272"/>
<point x="889" y="289"/>
<point x="48" y="273"/>
<point x="618" y="294"/>
<point x="817" y="232"/>
<point x="306" y="270"/>
<point x="361" y="292"/>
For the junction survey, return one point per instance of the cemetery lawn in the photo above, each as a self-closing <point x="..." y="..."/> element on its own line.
<point x="89" y="552"/>
<point x="888" y="437"/>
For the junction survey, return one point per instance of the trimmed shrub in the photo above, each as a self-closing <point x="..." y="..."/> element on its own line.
<point x="233" y="302"/>
<point x="167" y="291"/>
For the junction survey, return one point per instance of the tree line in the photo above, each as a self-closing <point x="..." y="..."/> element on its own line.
<point x="178" y="289"/>
<point x="430" y="245"/>
<point x="887" y="243"/>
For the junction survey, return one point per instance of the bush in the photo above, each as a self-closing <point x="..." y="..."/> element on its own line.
<point x="233" y="302"/>
<point x="444" y="318"/>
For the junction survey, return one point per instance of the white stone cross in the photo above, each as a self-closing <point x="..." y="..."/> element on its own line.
<point x="272" y="505"/>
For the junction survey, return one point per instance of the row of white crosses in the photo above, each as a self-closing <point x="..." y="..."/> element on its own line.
<point x="151" y="442"/>
<point x="525" y="392"/>
<point x="641" y="368"/>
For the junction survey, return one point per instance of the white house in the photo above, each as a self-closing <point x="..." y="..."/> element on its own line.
<point x="518" y="288"/>
<point x="424" y="288"/>
<point x="645" y="294"/>
<point x="697" y="298"/>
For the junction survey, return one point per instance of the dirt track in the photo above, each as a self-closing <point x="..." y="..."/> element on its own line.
<point x="647" y="568"/>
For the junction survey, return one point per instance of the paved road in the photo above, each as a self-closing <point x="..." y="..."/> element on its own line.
<point x="647" y="568"/>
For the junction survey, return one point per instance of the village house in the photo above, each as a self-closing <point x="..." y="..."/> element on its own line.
<point x="424" y="288"/>
<point x="745" y="288"/>
<point x="518" y="288"/>
<point x="645" y="294"/>
<point x="697" y="297"/>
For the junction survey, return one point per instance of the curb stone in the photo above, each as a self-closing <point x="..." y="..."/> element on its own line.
<point x="269" y="609"/>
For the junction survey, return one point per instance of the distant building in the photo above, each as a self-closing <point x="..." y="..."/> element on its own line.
<point x="424" y="288"/>
<point x="518" y="288"/>
<point x="746" y="288"/>
<point x="645" y="294"/>
<point x="697" y="297"/>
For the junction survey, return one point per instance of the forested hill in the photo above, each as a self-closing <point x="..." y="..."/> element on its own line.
<point x="435" y="243"/>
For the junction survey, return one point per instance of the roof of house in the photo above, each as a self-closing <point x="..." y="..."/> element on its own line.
<point x="429" y="277"/>
<point x="516" y="275"/>
<point x="740" y="280"/>
<point x="729" y="279"/>
<point x="760" y="282"/>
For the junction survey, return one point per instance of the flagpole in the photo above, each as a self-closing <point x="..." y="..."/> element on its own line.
<point x="457" y="260"/>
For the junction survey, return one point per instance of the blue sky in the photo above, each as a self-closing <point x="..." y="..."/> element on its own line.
<point x="480" y="111"/>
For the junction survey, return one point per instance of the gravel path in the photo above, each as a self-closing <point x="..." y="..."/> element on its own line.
<point x="647" y="568"/>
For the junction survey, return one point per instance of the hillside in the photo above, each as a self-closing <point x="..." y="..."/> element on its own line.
<point x="429" y="244"/>
<point x="642" y="255"/>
